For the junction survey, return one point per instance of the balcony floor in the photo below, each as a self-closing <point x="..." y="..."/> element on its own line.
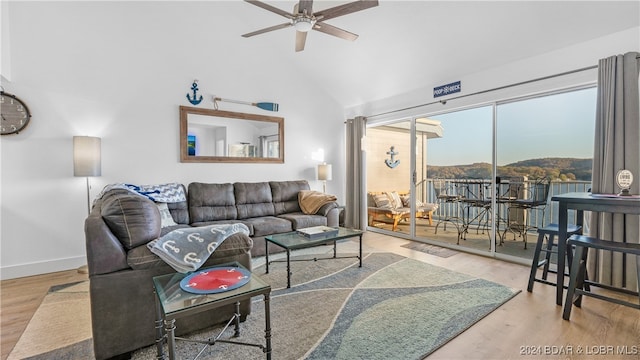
<point x="513" y="244"/>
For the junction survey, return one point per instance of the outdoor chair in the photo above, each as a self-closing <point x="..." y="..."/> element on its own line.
<point x="519" y="212"/>
<point x="449" y="204"/>
<point x="391" y="207"/>
<point x="476" y="205"/>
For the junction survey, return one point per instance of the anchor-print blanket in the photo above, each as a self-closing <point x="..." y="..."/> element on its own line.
<point x="187" y="249"/>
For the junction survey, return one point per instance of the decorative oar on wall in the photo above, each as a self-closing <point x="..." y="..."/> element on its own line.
<point x="269" y="106"/>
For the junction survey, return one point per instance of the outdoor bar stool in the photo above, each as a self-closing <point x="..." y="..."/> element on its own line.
<point x="551" y="232"/>
<point x="578" y="281"/>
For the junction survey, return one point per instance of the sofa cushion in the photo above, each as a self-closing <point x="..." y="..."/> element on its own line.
<point x="285" y="195"/>
<point x="180" y="210"/>
<point x="211" y="202"/>
<point x="382" y="201"/>
<point x="165" y="215"/>
<point x="134" y="220"/>
<point x="253" y="200"/>
<point x="394" y="198"/>
<point x="300" y="220"/>
<point x="142" y="258"/>
<point x="267" y="225"/>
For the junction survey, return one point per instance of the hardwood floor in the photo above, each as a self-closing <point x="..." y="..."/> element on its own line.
<point x="20" y="299"/>
<point x="529" y="326"/>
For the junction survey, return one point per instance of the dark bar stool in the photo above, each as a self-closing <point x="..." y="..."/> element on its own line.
<point x="551" y="232"/>
<point x="578" y="282"/>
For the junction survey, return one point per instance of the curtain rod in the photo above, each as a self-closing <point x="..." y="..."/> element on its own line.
<point x="489" y="90"/>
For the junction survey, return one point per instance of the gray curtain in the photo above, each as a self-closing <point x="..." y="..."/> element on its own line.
<point x="616" y="147"/>
<point x="355" y="214"/>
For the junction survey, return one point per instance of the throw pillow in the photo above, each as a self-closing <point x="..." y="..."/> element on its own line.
<point x="134" y="220"/>
<point x="165" y="215"/>
<point x="406" y="202"/>
<point x="396" y="202"/>
<point x="382" y="201"/>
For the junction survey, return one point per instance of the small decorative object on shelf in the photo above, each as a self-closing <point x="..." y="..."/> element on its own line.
<point x="194" y="88"/>
<point x="624" y="179"/>
<point x="317" y="232"/>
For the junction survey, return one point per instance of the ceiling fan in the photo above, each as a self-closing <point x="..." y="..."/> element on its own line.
<point x="303" y="19"/>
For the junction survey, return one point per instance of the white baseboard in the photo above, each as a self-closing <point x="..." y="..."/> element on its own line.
<point x="39" y="268"/>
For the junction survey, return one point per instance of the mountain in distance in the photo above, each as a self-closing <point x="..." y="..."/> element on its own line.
<point x="563" y="169"/>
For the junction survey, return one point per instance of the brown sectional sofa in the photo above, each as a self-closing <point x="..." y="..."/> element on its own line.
<point x="121" y="266"/>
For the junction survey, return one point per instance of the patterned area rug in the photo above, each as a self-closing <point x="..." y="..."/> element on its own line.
<point x="335" y="310"/>
<point x="430" y="249"/>
<point x="60" y="328"/>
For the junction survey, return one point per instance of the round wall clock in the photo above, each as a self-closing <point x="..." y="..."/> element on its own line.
<point x="15" y="114"/>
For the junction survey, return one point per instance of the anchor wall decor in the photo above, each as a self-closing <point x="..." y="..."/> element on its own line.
<point x="392" y="162"/>
<point x="194" y="88"/>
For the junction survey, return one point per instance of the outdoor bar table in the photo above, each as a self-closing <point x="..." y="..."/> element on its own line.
<point x="581" y="201"/>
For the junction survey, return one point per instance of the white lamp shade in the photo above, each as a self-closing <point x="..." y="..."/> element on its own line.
<point x="86" y="156"/>
<point x="324" y="172"/>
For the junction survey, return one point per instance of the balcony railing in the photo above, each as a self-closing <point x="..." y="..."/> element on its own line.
<point x="426" y="193"/>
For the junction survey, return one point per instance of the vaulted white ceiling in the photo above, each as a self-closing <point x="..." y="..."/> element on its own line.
<point x="405" y="45"/>
<point x="402" y="45"/>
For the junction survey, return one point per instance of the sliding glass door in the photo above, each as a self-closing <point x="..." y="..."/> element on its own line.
<point x="457" y="179"/>
<point x="389" y="156"/>
<point x="459" y="174"/>
<point x="544" y="147"/>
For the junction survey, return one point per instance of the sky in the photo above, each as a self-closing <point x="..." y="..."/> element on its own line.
<point x="560" y="125"/>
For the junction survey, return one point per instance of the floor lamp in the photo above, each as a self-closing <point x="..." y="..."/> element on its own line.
<point x="324" y="174"/>
<point x="86" y="160"/>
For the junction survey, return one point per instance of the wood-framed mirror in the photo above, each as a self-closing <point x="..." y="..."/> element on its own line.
<point x="208" y="135"/>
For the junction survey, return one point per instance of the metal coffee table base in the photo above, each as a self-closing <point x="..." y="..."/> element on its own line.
<point x="289" y="260"/>
<point x="292" y="241"/>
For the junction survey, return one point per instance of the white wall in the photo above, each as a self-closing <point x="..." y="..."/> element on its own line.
<point x="120" y="71"/>
<point x="568" y="59"/>
<point x="5" y="59"/>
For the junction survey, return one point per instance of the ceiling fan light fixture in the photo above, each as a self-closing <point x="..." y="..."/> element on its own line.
<point x="303" y="23"/>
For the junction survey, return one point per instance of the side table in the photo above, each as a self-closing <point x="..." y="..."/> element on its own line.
<point x="173" y="303"/>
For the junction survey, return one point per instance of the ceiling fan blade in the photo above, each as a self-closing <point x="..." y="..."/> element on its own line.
<point x="332" y="30"/>
<point x="271" y="28"/>
<point x="305" y="5"/>
<point x="345" y="9"/>
<point x="270" y="8"/>
<point x="301" y="38"/>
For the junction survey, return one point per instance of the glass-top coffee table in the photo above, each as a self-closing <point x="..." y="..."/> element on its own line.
<point x="293" y="241"/>
<point x="173" y="303"/>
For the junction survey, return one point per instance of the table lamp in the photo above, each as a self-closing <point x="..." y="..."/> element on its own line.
<point x="324" y="174"/>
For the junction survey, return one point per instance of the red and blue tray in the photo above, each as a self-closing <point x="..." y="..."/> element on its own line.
<point x="215" y="280"/>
